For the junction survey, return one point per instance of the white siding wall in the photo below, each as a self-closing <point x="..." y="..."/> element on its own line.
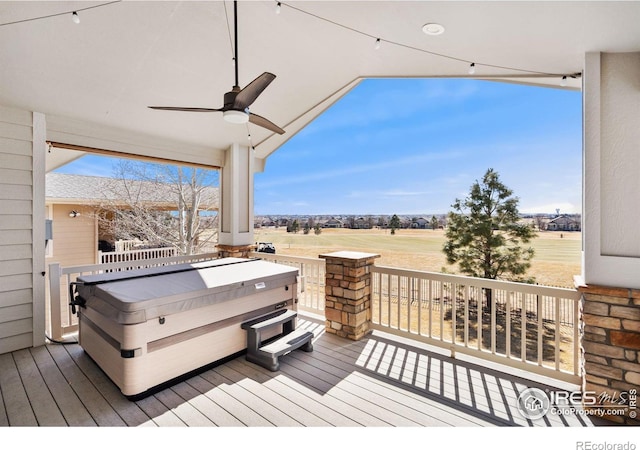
<point x="611" y="167"/>
<point x="21" y="288"/>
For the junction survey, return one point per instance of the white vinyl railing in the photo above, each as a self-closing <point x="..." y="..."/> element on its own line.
<point x="61" y="320"/>
<point x="311" y="280"/>
<point x="135" y="255"/>
<point x="531" y="327"/>
<point x="128" y="245"/>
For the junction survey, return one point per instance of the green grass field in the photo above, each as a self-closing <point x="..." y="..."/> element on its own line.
<point x="557" y="259"/>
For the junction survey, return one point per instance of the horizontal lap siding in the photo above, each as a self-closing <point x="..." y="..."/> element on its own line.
<point x="75" y="240"/>
<point x="16" y="230"/>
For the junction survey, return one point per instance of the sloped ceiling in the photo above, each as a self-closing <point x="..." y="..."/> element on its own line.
<point x="124" y="56"/>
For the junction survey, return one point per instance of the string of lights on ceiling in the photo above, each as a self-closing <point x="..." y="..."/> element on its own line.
<point x="378" y="41"/>
<point x="430" y="28"/>
<point x="433" y="29"/>
<point x="75" y="17"/>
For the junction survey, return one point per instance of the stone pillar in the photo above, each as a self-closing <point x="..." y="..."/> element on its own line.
<point x="235" y="251"/>
<point x="348" y="293"/>
<point x="611" y="345"/>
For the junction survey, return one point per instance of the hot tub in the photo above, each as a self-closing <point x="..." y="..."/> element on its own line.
<point x="150" y="327"/>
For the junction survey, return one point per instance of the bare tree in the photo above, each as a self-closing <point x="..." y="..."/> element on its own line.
<point x="162" y="205"/>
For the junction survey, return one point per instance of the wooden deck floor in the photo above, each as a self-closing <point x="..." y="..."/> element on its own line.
<point x="377" y="382"/>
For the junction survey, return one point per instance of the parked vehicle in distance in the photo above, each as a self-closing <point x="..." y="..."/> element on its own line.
<point x="266" y="247"/>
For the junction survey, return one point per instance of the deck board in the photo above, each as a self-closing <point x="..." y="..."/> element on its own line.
<point x="398" y="398"/>
<point x="99" y="409"/>
<point x="406" y="389"/>
<point x="379" y="381"/>
<point x="363" y="394"/>
<point x="44" y="406"/>
<point x="70" y="405"/>
<point x="16" y="402"/>
<point x="4" y="420"/>
<point x="159" y="413"/>
<point x="438" y="377"/>
<point x="300" y="414"/>
<point x="129" y="411"/>
<point x="287" y="388"/>
<point x="185" y="411"/>
<point x="218" y="415"/>
<point x="268" y="412"/>
<point x="342" y="401"/>
<point x="208" y="385"/>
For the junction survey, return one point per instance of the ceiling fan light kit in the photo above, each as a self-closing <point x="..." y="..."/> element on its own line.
<point x="236" y="117"/>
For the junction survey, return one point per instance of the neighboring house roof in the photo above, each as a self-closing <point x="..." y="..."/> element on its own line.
<point x="85" y="189"/>
<point x="563" y="219"/>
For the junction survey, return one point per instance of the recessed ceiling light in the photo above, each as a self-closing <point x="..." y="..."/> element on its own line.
<point x="433" y="29"/>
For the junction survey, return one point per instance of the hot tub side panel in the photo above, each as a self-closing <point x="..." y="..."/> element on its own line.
<point x="140" y="356"/>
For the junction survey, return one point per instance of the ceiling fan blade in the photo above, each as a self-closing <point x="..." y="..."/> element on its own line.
<point x="178" y="108"/>
<point x="264" y="123"/>
<point x="250" y="93"/>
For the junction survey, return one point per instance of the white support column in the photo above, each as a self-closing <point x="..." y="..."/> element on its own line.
<point x="39" y="149"/>
<point x="611" y="167"/>
<point x="236" y="208"/>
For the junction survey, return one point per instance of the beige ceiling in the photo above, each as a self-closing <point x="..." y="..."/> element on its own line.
<point x="105" y="71"/>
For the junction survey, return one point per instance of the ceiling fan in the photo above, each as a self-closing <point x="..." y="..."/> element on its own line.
<point x="236" y="102"/>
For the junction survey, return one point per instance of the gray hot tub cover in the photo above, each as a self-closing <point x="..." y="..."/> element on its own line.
<point x="139" y="295"/>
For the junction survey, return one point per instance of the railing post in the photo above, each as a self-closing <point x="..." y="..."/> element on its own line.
<point x="348" y="293"/>
<point x="55" y="318"/>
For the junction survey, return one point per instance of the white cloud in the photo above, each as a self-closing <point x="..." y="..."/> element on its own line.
<point x="411" y="160"/>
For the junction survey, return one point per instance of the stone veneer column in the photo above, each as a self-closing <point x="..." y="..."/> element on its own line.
<point x="235" y="251"/>
<point x="611" y="342"/>
<point x="348" y="293"/>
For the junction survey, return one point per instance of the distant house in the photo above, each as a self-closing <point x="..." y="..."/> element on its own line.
<point x="333" y="223"/>
<point x="383" y="222"/>
<point x="264" y="223"/>
<point x="564" y="223"/>
<point x="405" y="222"/>
<point x="420" y="223"/>
<point x="268" y="223"/>
<point x="361" y="223"/>
<point x="71" y="203"/>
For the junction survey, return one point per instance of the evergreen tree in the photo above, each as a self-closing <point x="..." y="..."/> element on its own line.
<point x="484" y="233"/>
<point x="394" y="223"/>
<point x="434" y="223"/>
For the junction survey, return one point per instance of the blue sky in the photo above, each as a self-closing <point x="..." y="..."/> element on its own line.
<point x="412" y="146"/>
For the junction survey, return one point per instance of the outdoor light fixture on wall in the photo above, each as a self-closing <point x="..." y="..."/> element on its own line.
<point x="73" y="214"/>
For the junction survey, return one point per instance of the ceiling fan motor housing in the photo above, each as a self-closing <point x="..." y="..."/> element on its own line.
<point x="230" y="97"/>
